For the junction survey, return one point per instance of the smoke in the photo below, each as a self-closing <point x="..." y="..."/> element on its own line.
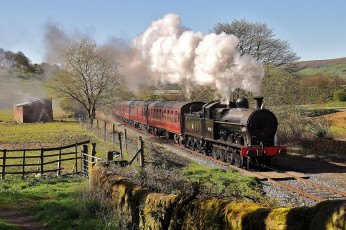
<point x="55" y="40"/>
<point x="172" y="54"/>
<point x="169" y="53"/>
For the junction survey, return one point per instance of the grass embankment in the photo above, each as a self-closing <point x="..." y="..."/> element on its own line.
<point x="168" y="173"/>
<point x="60" y="203"/>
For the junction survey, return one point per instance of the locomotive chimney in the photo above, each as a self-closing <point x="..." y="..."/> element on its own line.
<point x="258" y="102"/>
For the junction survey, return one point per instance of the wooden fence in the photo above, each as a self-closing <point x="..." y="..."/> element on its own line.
<point x="131" y="146"/>
<point x="47" y="160"/>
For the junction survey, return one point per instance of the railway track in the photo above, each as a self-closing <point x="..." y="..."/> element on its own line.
<point x="289" y="181"/>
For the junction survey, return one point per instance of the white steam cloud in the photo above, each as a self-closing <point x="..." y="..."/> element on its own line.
<point x="167" y="52"/>
<point x="173" y="54"/>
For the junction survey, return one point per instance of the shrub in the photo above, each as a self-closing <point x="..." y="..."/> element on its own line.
<point x="291" y="127"/>
<point x="320" y="126"/>
<point x="340" y="95"/>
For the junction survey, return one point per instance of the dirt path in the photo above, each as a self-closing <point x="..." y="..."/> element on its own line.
<point x="19" y="219"/>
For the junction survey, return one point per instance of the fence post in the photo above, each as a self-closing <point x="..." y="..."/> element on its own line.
<point x="23" y="175"/>
<point x="105" y="129"/>
<point x="121" y="148"/>
<point x="113" y="134"/>
<point x="59" y="163"/>
<point x="41" y="157"/>
<point x="3" y="165"/>
<point x="110" y="156"/>
<point x="85" y="158"/>
<point x="126" y="140"/>
<point x="93" y="153"/>
<point x="76" y="153"/>
<point x="141" y="151"/>
<point x="97" y="128"/>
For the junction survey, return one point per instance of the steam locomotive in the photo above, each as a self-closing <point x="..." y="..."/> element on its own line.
<point x="232" y="133"/>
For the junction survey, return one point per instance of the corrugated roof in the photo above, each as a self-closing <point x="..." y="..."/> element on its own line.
<point x="29" y="102"/>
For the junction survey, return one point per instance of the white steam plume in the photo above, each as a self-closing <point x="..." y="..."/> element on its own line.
<point x="173" y="54"/>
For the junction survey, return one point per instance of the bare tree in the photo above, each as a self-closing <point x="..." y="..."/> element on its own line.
<point x="87" y="75"/>
<point x="258" y="40"/>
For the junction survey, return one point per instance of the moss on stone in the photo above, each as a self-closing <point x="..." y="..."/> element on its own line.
<point x="160" y="211"/>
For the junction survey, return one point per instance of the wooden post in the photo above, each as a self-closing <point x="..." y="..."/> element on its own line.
<point x="110" y="156"/>
<point x="113" y="134"/>
<point x="85" y="156"/>
<point x="23" y="175"/>
<point x="41" y="161"/>
<point x="93" y="153"/>
<point x="105" y="129"/>
<point x="121" y="148"/>
<point x="97" y="128"/>
<point x="125" y="140"/>
<point x="3" y="165"/>
<point x="141" y="151"/>
<point x="81" y="160"/>
<point x="59" y="163"/>
<point x="76" y="153"/>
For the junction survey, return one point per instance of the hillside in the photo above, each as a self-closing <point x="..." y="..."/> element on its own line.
<point x="329" y="66"/>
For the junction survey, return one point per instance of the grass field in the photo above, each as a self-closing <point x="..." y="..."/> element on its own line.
<point x="60" y="203"/>
<point x="50" y="134"/>
<point x="337" y="68"/>
<point x="330" y="66"/>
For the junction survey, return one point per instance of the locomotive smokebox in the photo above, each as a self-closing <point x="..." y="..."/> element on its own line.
<point x="258" y="102"/>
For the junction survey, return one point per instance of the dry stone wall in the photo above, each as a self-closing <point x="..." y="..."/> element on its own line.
<point x="150" y="210"/>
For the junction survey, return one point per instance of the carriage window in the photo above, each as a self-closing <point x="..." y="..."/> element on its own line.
<point x="172" y="116"/>
<point x="160" y="114"/>
<point x="176" y="117"/>
<point x="167" y="118"/>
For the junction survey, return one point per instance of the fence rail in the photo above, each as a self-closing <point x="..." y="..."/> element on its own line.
<point x="23" y="161"/>
<point x="131" y="146"/>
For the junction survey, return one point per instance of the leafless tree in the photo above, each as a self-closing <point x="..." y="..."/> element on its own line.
<point x="87" y="75"/>
<point x="258" y="40"/>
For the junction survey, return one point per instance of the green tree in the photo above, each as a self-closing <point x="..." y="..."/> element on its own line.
<point x="279" y="87"/>
<point x="258" y="40"/>
<point x="87" y="75"/>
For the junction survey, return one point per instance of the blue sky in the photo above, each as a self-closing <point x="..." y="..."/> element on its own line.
<point x="315" y="29"/>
